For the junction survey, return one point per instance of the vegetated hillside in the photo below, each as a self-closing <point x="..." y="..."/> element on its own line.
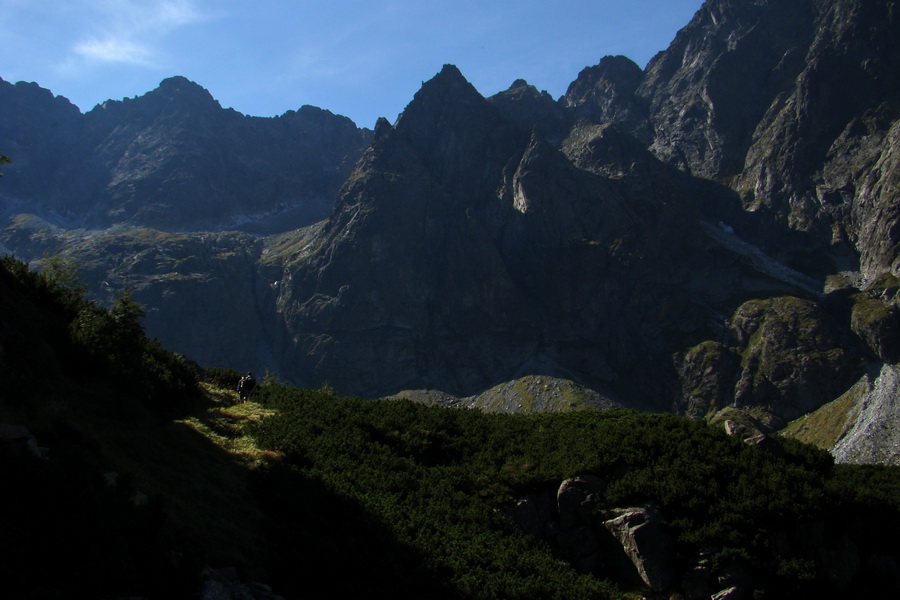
<point x="143" y="487"/>
<point x="774" y="521"/>
<point x="712" y="235"/>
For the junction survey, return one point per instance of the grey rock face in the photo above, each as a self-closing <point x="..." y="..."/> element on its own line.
<point x="874" y="318"/>
<point x="708" y="373"/>
<point x="784" y="355"/>
<point x="717" y="79"/>
<point x="874" y="437"/>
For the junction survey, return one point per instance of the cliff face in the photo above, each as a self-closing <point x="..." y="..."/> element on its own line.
<point x="467" y="249"/>
<point x="716" y="231"/>
<point x="793" y="105"/>
<point x="203" y="293"/>
<point x="708" y="91"/>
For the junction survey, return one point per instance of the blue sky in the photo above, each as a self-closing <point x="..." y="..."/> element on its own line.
<point x="362" y="59"/>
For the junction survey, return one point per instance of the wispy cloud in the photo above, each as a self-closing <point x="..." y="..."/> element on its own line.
<point x="131" y="31"/>
<point x="116" y="49"/>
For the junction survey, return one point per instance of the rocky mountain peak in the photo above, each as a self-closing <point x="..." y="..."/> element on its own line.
<point x="531" y="109"/>
<point x="446" y="93"/>
<point x="786" y="103"/>
<point x="174" y="98"/>
<point x="619" y="71"/>
<point x="605" y="93"/>
<point x="457" y="134"/>
<point x="173" y="159"/>
<point x="30" y="94"/>
<point x="184" y="90"/>
<point x="382" y="127"/>
<point x="449" y="76"/>
<point x="36" y="127"/>
<point x="181" y="83"/>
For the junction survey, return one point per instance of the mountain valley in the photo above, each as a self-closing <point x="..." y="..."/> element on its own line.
<point x="714" y="235"/>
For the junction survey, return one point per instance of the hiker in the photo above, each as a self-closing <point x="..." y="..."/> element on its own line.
<point x="246" y="385"/>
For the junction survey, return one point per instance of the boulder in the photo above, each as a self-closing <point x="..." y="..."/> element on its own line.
<point x="576" y="500"/>
<point x="639" y="531"/>
<point x="732" y="593"/>
<point x="225" y="584"/>
<point x="17" y="441"/>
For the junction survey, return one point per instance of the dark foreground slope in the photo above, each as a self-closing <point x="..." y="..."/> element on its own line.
<point x="94" y="392"/>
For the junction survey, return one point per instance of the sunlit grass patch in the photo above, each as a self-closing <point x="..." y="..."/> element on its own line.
<point x="223" y="425"/>
<point x="829" y="424"/>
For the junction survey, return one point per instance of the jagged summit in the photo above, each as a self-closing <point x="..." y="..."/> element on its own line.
<point x="457" y="134"/>
<point x="449" y="74"/>
<point x="180" y="82"/>
<point x="620" y="69"/>
<point x="531" y="109"/>
<point x="27" y="93"/>
<point x="606" y="93"/>
<point x="183" y="86"/>
<point x="173" y="93"/>
<point x="445" y="90"/>
<point x="382" y="127"/>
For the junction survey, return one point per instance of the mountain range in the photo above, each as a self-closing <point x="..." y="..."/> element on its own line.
<point x="715" y="235"/>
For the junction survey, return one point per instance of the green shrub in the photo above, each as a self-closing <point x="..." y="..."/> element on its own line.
<point x="438" y="480"/>
<point x="222" y="377"/>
